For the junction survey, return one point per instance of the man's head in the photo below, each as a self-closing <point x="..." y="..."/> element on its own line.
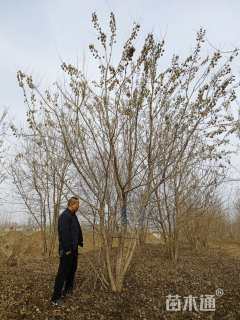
<point x="73" y="204"/>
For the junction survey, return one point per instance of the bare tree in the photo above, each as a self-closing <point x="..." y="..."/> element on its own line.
<point x="39" y="170"/>
<point x="2" y="148"/>
<point x="5" y="221"/>
<point x="187" y="194"/>
<point x="133" y="131"/>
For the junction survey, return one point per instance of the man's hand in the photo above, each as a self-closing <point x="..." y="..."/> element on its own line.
<point x="68" y="252"/>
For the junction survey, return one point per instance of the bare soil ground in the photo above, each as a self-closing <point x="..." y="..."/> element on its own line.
<point x="26" y="286"/>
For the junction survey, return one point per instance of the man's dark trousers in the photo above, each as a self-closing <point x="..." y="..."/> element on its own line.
<point x="66" y="273"/>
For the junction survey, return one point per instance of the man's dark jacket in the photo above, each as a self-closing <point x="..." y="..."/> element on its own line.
<point x="69" y="232"/>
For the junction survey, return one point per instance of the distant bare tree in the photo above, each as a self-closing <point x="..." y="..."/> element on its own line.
<point x="39" y="171"/>
<point x="5" y="221"/>
<point x="186" y="195"/>
<point x="2" y="148"/>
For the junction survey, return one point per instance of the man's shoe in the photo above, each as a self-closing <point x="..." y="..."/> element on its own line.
<point x="68" y="292"/>
<point x="57" y="303"/>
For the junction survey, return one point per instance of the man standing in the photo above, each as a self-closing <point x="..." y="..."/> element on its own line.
<point x="70" y="237"/>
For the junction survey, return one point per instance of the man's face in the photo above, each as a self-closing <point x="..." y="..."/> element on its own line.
<point x="75" y="206"/>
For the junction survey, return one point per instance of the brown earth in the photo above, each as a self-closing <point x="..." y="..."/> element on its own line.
<point x="26" y="286"/>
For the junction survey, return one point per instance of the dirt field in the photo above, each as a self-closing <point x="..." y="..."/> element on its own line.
<point x="26" y="285"/>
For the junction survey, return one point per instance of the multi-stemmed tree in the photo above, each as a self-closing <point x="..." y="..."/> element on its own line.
<point x="138" y="136"/>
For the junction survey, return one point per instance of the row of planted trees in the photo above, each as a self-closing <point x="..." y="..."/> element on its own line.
<point x="141" y="143"/>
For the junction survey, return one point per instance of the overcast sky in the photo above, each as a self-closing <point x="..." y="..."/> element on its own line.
<point x="36" y="35"/>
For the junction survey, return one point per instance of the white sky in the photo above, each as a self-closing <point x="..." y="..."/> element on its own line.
<point x="36" y="35"/>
